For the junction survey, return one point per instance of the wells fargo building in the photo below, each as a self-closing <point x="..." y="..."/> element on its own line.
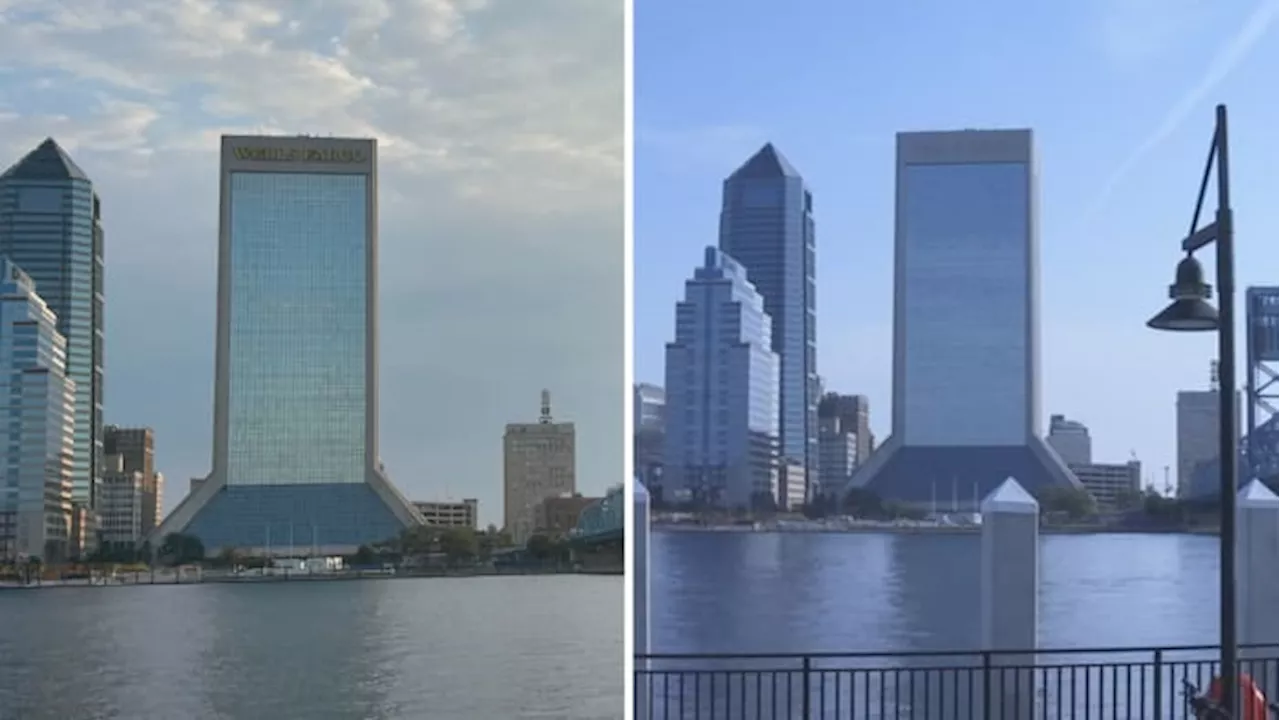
<point x="295" y="430"/>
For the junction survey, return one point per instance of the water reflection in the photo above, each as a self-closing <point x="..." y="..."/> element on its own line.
<point x="758" y="592"/>
<point x="348" y="676"/>
<point x="512" y="647"/>
<point x="935" y="592"/>
<point x="798" y="593"/>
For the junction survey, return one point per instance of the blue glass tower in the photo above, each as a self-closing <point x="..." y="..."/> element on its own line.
<point x="295" y="443"/>
<point x="721" y="440"/>
<point x="50" y="226"/>
<point x="37" y="417"/>
<point x="966" y="326"/>
<point x="766" y="223"/>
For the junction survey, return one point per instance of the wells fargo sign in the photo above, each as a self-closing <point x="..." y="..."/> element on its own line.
<point x="303" y="155"/>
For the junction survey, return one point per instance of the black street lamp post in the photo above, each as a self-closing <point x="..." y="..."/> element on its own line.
<point x="1190" y="312"/>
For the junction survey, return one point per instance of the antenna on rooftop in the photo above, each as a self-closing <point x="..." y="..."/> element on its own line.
<point x="545" y="418"/>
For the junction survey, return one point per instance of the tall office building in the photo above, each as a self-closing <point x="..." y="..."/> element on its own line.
<point x="1070" y="439"/>
<point x="1197" y="431"/>
<point x="538" y="462"/>
<point x="966" y="363"/>
<point x="51" y="227"/>
<point x="295" y="423"/>
<point x="648" y="406"/>
<point x="649" y="409"/>
<point x="136" y="451"/>
<point x="766" y="224"/>
<point x="854" y="415"/>
<point x="721" y="443"/>
<point x="37" y="415"/>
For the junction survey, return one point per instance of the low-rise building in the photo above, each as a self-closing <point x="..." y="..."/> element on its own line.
<point x="461" y="514"/>
<point x="1110" y="483"/>
<point x="125" y="505"/>
<point x="793" y="494"/>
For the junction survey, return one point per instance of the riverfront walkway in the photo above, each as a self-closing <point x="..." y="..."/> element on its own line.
<point x="195" y="576"/>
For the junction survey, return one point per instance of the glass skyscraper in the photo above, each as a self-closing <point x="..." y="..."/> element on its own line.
<point x="721" y="440"/>
<point x="50" y="226"/>
<point x="966" y="363"/>
<point x="766" y="223"/>
<point x="37" y="420"/>
<point x="295" y="459"/>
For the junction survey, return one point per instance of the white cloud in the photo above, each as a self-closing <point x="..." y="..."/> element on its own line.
<point x="1135" y="31"/>
<point x="1219" y="66"/>
<point x="500" y="136"/>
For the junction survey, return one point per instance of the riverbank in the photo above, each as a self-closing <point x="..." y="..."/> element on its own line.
<point x="920" y="529"/>
<point x="198" y="577"/>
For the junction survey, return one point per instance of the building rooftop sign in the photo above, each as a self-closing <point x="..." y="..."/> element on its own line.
<point x="287" y="154"/>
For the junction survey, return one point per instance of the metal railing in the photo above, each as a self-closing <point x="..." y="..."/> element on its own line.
<point x="1071" y="684"/>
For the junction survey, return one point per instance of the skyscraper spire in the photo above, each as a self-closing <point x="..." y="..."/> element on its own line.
<point x="545" y="417"/>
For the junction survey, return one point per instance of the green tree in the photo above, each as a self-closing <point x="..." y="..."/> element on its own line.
<point x="1075" y="503"/>
<point x="364" y="556"/>
<point x="1129" y="500"/>
<point x="541" y="547"/>
<point x="228" y="558"/>
<point x="486" y="543"/>
<point x="459" y="545"/>
<point x="178" y="549"/>
<point x="419" y="540"/>
<point x="861" y="502"/>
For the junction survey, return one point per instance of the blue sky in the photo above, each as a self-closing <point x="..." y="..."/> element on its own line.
<point x="1120" y="94"/>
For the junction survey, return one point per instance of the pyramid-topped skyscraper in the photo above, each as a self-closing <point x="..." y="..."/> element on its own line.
<point x="766" y="224"/>
<point x="51" y="227"/>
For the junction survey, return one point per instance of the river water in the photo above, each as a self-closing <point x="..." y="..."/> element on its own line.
<point x="791" y="593"/>
<point x="439" y="648"/>
<point x="844" y="592"/>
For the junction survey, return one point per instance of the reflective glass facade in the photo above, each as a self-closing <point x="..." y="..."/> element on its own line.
<point x="307" y="519"/>
<point x="295" y="466"/>
<point x="766" y="223"/>
<point x="721" y="440"/>
<point x="37" y="422"/>
<point x="297" y="377"/>
<point x="50" y="227"/>
<point x="965" y="235"/>
<point x="966" y="372"/>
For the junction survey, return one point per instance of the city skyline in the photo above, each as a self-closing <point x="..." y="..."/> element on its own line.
<point x="502" y="173"/>
<point x="1114" y="202"/>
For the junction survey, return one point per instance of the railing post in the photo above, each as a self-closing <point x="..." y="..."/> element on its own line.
<point x="1157" y="663"/>
<point x="986" y="684"/>
<point x="806" y="666"/>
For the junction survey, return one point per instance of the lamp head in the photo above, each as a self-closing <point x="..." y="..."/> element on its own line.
<point x="1189" y="311"/>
